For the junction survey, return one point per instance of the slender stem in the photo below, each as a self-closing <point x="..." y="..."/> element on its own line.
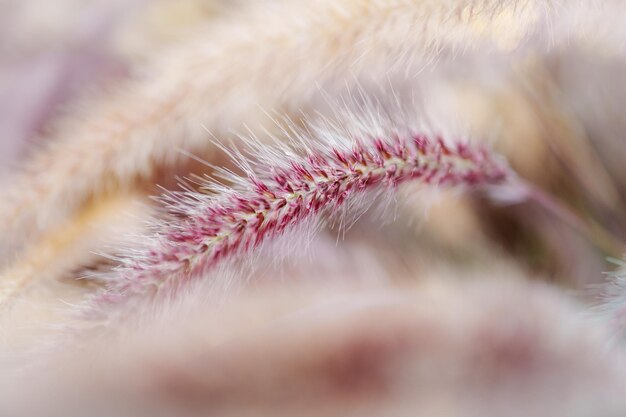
<point x="594" y="233"/>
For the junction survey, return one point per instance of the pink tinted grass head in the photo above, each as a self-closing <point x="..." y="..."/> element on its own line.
<point x="282" y="187"/>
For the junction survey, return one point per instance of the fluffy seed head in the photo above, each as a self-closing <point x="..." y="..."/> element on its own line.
<point x="319" y="172"/>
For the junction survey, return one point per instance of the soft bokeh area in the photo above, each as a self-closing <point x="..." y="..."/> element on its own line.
<point x="430" y="300"/>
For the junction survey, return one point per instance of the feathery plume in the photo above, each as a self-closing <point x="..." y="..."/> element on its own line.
<point x="321" y="172"/>
<point x="276" y="56"/>
<point x="311" y="350"/>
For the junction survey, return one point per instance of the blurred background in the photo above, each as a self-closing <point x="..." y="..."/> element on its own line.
<point x="551" y="105"/>
<point x="555" y="115"/>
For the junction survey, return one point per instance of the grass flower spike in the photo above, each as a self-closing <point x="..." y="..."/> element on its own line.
<point x="321" y="172"/>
